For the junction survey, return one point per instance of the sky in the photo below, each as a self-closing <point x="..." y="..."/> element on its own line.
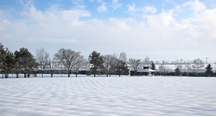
<point x="160" y="29"/>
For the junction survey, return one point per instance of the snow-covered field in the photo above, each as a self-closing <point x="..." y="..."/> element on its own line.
<point x="108" y="96"/>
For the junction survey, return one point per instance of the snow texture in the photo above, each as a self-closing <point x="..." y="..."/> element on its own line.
<point x="108" y="96"/>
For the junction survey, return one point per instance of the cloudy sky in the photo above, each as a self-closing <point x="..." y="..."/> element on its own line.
<point x="160" y="29"/>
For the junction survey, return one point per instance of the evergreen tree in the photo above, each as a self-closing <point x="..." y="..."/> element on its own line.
<point x="209" y="70"/>
<point x="2" y="54"/>
<point x="97" y="62"/>
<point x="153" y="67"/>
<point x="121" y="68"/>
<point x="26" y="61"/>
<point x="177" y="71"/>
<point x="7" y="61"/>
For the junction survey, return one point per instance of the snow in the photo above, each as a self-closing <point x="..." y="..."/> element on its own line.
<point x="146" y="70"/>
<point x="108" y="96"/>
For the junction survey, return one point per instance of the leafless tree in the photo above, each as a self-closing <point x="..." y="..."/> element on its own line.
<point x="135" y="64"/>
<point x="79" y="62"/>
<point x="198" y="63"/>
<point x="123" y="57"/>
<point x="109" y="62"/>
<point x="67" y="58"/>
<point x="162" y="68"/>
<point x="42" y="59"/>
<point x="147" y="61"/>
<point x="178" y="64"/>
<point x="51" y="66"/>
<point x="188" y="67"/>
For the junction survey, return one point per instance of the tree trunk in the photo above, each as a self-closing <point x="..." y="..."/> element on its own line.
<point x="17" y="75"/>
<point x="6" y="75"/>
<point x="94" y="74"/>
<point x="24" y="75"/>
<point x="51" y="74"/>
<point x="76" y="74"/>
<point x="28" y="75"/>
<point x="68" y="73"/>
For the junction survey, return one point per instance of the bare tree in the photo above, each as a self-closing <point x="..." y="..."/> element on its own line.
<point x="198" y="63"/>
<point x="107" y="63"/>
<point x="79" y="62"/>
<point x="51" y="66"/>
<point x="178" y="64"/>
<point x="123" y="57"/>
<point x="114" y="61"/>
<point x="135" y="64"/>
<point x="42" y="58"/>
<point x="67" y="58"/>
<point x="162" y="68"/>
<point x="147" y="61"/>
<point x="188" y="67"/>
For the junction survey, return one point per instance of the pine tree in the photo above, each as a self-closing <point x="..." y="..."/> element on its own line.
<point x="153" y="67"/>
<point x="97" y="62"/>
<point x="7" y="61"/>
<point x="26" y="61"/>
<point x="121" y="68"/>
<point x="177" y="71"/>
<point x="209" y="70"/>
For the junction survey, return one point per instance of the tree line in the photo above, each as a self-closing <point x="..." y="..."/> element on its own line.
<point x="22" y="61"/>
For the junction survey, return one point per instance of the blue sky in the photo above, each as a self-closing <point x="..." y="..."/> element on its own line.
<point x="159" y="29"/>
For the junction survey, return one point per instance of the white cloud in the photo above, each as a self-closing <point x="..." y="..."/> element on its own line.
<point x="34" y="14"/>
<point x="143" y="10"/>
<point x="160" y="20"/>
<point x="150" y="9"/>
<point x="192" y="37"/>
<point x="54" y="40"/>
<point x="74" y="14"/>
<point x="119" y="24"/>
<point x="115" y="4"/>
<point x="195" y="6"/>
<point x="131" y="8"/>
<point x="78" y="3"/>
<point x="52" y="14"/>
<point x="102" y="8"/>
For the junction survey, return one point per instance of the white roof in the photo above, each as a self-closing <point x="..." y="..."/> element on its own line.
<point x="146" y="70"/>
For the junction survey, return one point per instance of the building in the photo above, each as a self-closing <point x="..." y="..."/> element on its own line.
<point x="145" y="71"/>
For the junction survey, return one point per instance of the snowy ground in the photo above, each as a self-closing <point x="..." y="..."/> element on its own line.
<point x="108" y="96"/>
